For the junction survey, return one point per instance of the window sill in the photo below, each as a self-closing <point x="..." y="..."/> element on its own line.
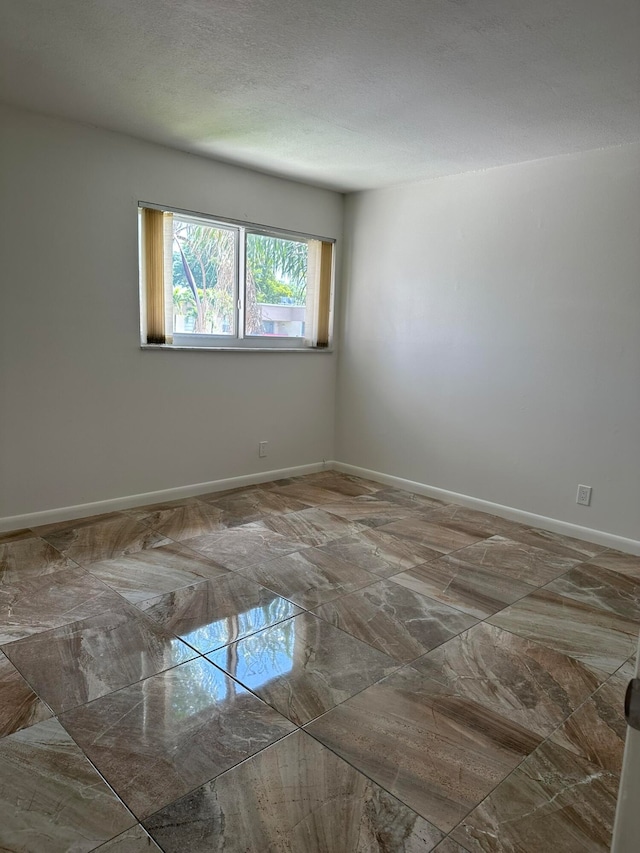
<point x="171" y="348"/>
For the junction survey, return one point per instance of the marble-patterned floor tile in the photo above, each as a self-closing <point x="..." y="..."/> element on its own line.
<point x="397" y="548"/>
<point x="449" y="846"/>
<point x="312" y="526"/>
<point x="438" y="753"/>
<point x="311" y="495"/>
<point x="15" y="535"/>
<point x="304" y="666"/>
<point x="310" y="577"/>
<point x="377" y="552"/>
<point x="180" y="519"/>
<point x="207" y="497"/>
<point x="556" y="543"/>
<point x="602" y="588"/>
<point x="473" y="589"/>
<point x="599" y="638"/>
<point x="82" y="661"/>
<point x="262" y="501"/>
<point x="516" y="560"/>
<point x="294" y="797"/>
<point x="597" y="730"/>
<point x="343" y="484"/>
<point x="629" y="669"/>
<point x="395" y="620"/>
<point x="214" y="613"/>
<point x="240" y="547"/>
<point x="101" y="538"/>
<point x="40" y="603"/>
<point x="19" y="705"/>
<point x="368" y="510"/>
<point x="89" y="520"/>
<point x="253" y="505"/>
<point x="438" y="537"/>
<point x="149" y="573"/>
<point x="135" y="840"/>
<point x="529" y="684"/>
<point x="617" y="561"/>
<point x="51" y="798"/>
<point x="472" y="520"/>
<point x="555" y="801"/>
<point x="422" y="503"/>
<point x="29" y="557"/>
<point x="160" y="738"/>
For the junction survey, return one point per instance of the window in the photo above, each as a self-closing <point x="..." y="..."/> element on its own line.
<point x="213" y="283"/>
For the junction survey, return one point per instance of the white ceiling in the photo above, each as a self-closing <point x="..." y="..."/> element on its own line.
<point x="345" y="93"/>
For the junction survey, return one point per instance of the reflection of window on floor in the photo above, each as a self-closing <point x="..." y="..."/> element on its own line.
<point x="201" y="687"/>
<point x="263" y="656"/>
<point x="213" y="635"/>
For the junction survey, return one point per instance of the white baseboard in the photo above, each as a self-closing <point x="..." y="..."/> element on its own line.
<point x="600" y="537"/>
<point x="68" y="513"/>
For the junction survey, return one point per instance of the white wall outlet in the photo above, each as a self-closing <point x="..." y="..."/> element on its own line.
<point x="262" y="449"/>
<point x="584" y="495"/>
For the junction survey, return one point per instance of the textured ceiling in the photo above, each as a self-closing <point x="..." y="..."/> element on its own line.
<point x="344" y="93"/>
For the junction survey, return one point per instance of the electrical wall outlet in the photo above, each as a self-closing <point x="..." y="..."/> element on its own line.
<point x="262" y="449"/>
<point x="584" y="495"/>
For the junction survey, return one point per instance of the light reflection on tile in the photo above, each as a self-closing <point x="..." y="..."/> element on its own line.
<point x="212" y="614"/>
<point x="51" y="798"/>
<point x="295" y="796"/>
<point x="79" y="662"/>
<point x="303" y="666"/>
<point x="177" y="729"/>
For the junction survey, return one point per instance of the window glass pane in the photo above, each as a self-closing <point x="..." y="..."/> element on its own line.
<point x="276" y="286"/>
<point x="204" y="273"/>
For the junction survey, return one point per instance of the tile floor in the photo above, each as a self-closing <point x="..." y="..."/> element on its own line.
<point x="319" y="664"/>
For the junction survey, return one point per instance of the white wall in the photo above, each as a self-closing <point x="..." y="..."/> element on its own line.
<point x="492" y="343"/>
<point x="85" y="414"/>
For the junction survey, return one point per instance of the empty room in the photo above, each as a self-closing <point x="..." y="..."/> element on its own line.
<point x="319" y="426"/>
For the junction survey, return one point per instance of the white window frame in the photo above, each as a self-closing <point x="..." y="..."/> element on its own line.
<point x="239" y="340"/>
